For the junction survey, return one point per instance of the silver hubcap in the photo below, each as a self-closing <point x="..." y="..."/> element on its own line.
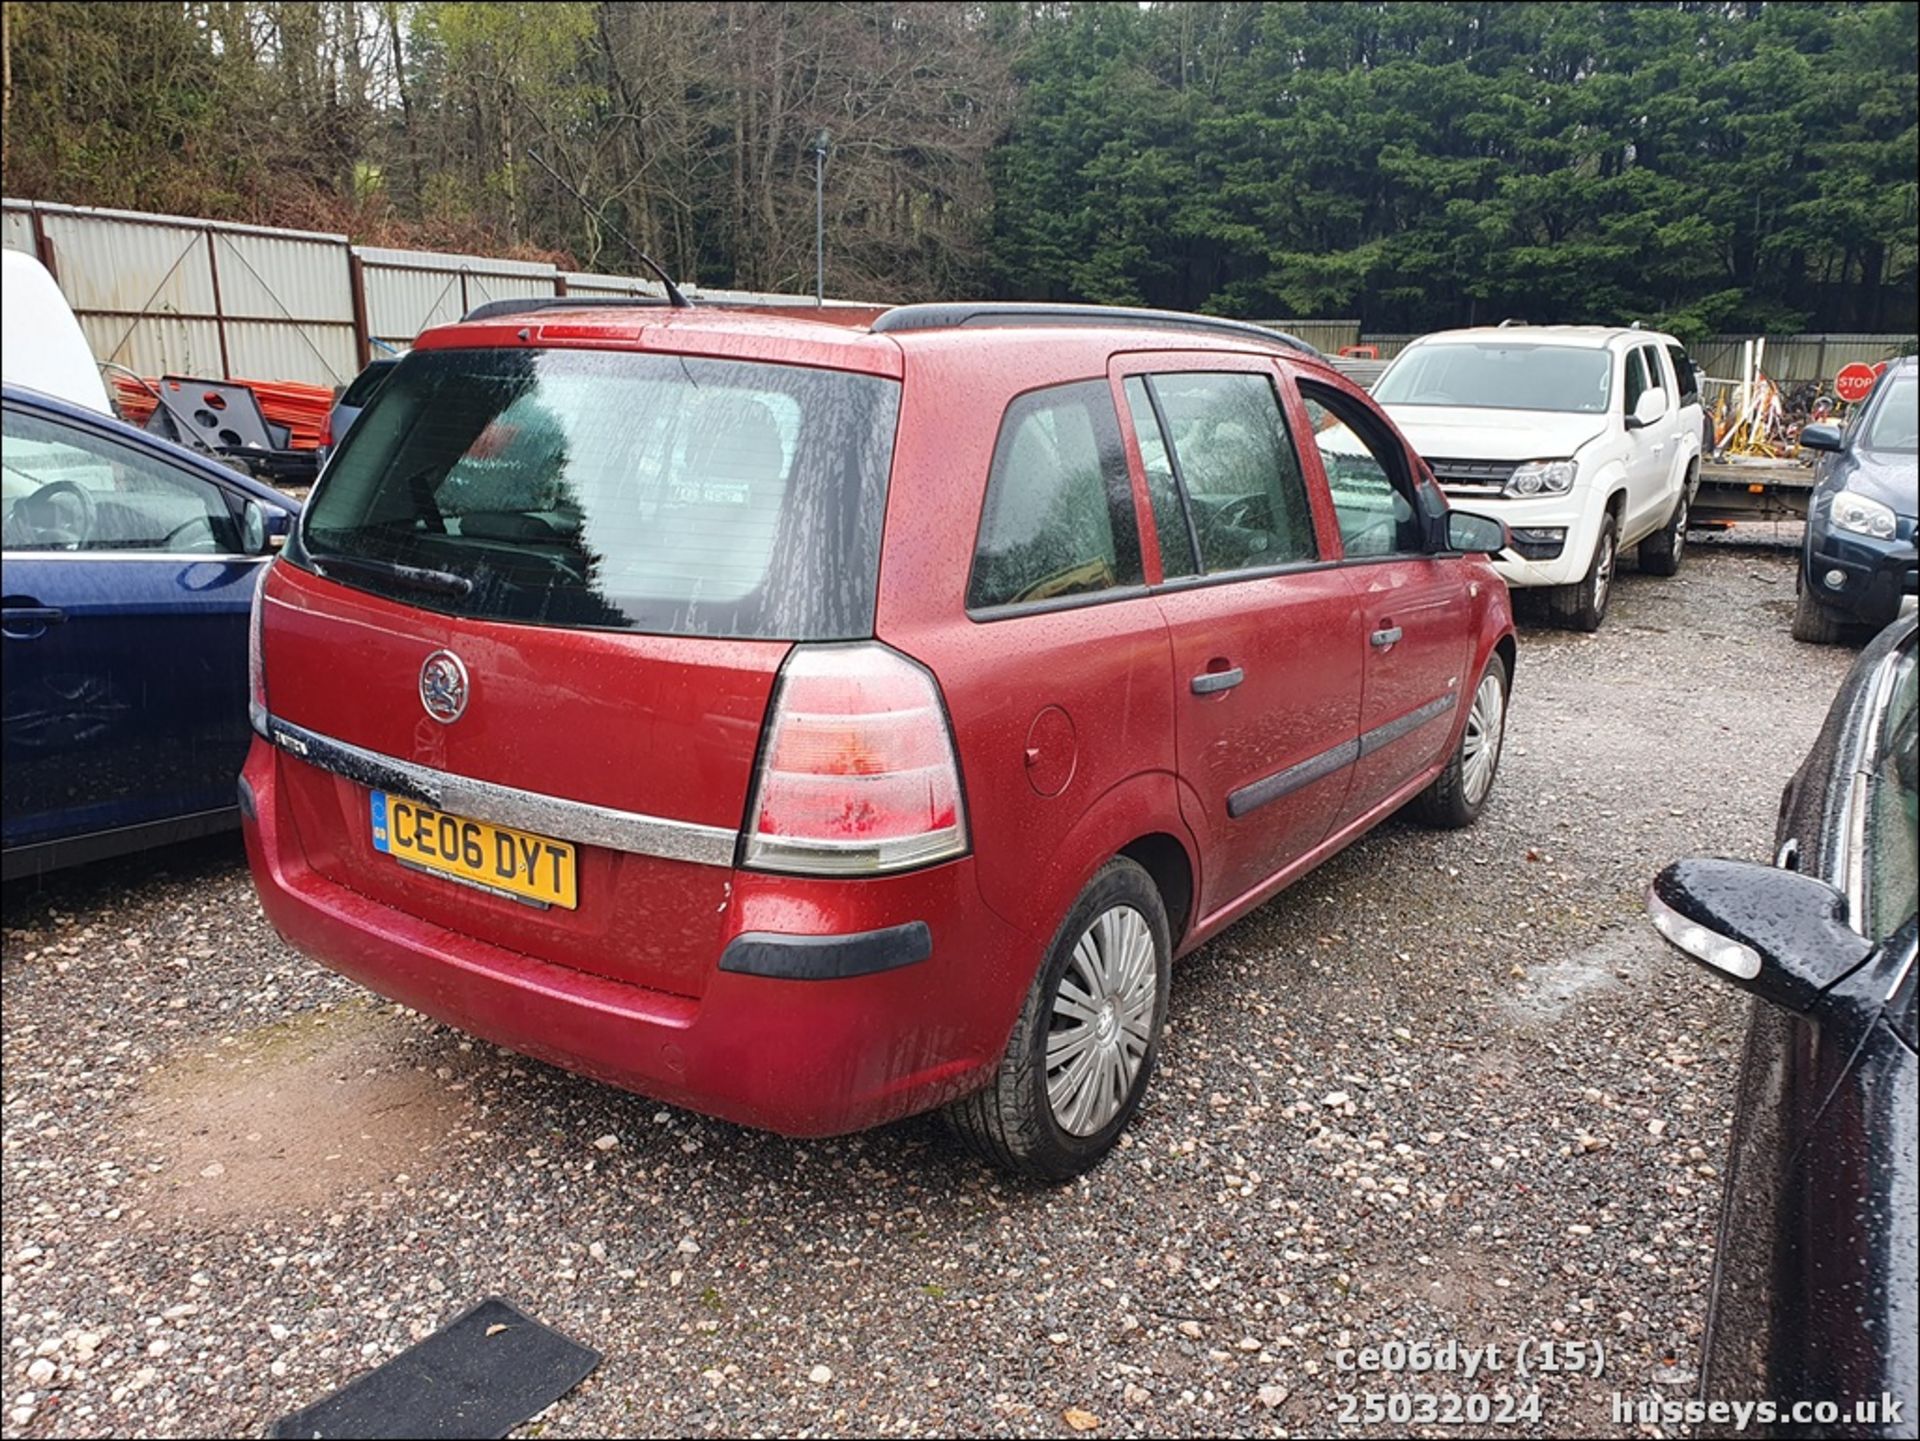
<point x="1480" y="751"/>
<point x="1603" y="573"/>
<point x="1102" y="1021"/>
<point x="1680" y="529"/>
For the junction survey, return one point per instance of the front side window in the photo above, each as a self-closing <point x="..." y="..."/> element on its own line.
<point x="615" y="490"/>
<point x="1376" y="516"/>
<point x="1656" y="378"/>
<point x="1059" y="515"/>
<point x="1636" y="385"/>
<point x="1485" y="375"/>
<point x="66" y="488"/>
<point x="1895" y="421"/>
<point x="1233" y="458"/>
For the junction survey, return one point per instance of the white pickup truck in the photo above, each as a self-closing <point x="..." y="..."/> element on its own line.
<point x="1584" y="439"/>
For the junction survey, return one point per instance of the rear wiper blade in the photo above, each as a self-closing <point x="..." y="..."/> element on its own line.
<point x="442" y="582"/>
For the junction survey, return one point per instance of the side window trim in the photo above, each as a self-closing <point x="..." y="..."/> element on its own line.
<point x="1179" y="473"/>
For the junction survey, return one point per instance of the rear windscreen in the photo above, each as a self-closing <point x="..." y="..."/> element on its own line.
<point x="655" y="493"/>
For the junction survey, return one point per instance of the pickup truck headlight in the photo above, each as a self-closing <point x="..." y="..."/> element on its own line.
<point x="1541" y="477"/>
<point x="1862" y="516"/>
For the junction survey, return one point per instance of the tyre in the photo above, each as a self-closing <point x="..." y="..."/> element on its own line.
<point x="1082" y="1052"/>
<point x="1660" y="552"/>
<point x="1459" y="793"/>
<point x="1813" y="622"/>
<point x="1583" y="605"/>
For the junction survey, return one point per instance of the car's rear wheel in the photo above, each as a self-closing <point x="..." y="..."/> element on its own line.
<point x="1083" y="1049"/>
<point x="1660" y="553"/>
<point x="1583" y="605"/>
<point x="1813" y="622"/>
<point x="1459" y="793"/>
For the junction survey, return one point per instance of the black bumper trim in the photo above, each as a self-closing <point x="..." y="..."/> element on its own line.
<point x="827" y="958"/>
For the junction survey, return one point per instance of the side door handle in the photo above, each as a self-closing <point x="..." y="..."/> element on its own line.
<point x="1386" y="637"/>
<point x="28" y="622"/>
<point x="1212" y="682"/>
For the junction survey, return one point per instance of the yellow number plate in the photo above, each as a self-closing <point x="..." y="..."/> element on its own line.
<point x="516" y="862"/>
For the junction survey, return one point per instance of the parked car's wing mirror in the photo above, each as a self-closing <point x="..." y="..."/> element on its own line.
<point x="1475" y="534"/>
<point x="1651" y="405"/>
<point x="1821" y="437"/>
<point x="1782" y="935"/>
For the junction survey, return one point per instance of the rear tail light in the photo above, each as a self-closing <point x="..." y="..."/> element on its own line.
<point x="857" y="772"/>
<point x="256" y="655"/>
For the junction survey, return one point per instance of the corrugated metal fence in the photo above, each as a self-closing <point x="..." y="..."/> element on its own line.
<point x="1796" y="358"/>
<point x="164" y="294"/>
<point x="161" y="293"/>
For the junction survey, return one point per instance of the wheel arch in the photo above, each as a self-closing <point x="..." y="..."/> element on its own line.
<point x="1164" y="858"/>
<point x="1138" y="818"/>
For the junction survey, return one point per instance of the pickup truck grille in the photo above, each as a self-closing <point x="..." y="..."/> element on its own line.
<point x="1472" y="477"/>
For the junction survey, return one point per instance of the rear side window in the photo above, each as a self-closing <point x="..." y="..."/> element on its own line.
<point x="1236" y="463"/>
<point x="611" y="490"/>
<point x="1059" y="514"/>
<point x="1683" y="375"/>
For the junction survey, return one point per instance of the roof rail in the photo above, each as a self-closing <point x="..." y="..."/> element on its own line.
<point x="949" y="315"/>
<point x="494" y="309"/>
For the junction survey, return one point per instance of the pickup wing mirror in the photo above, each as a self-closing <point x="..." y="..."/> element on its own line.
<point x="1649" y="408"/>
<point x="1779" y="934"/>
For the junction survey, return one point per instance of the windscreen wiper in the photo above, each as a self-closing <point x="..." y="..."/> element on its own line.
<point x="441" y="582"/>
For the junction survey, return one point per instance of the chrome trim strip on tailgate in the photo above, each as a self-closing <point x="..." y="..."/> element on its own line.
<point x="566" y="820"/>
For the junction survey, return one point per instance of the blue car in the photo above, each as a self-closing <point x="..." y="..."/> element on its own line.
<point x="1860" y="557"/>
<point x="129" y="571"/>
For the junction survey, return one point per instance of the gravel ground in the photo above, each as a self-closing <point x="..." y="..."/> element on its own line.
<point x="1448" y="1087"/>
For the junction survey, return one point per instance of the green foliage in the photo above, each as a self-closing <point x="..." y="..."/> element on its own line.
<point x="1697" y="166"/>
<point x="1702" y="164"/>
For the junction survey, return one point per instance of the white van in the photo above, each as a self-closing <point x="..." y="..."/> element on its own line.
<point x="1584" y="439"/>
<point x="41" y="344"/>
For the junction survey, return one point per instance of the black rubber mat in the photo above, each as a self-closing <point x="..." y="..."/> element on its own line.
<point x="480" y="1375"/>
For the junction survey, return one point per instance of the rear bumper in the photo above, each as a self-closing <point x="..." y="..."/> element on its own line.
<point x="861" y="1044"/>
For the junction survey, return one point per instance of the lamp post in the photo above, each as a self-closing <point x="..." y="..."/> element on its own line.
<point x="820" y="144"/>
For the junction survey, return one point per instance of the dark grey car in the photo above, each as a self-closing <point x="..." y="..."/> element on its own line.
<point x="1816" y="1290"/>
<point x="354" y="399"/>
<point x="1859" y="557"/>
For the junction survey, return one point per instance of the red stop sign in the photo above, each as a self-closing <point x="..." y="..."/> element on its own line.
<point x="1854" y="381"/>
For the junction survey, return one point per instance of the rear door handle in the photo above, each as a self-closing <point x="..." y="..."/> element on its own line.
<point x="28" y="622"/>
<point x="1212" y="682"/>
<point x="1386" y="637"/>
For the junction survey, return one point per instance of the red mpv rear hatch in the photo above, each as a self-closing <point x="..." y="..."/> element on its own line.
<point x="570" y="576"/>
